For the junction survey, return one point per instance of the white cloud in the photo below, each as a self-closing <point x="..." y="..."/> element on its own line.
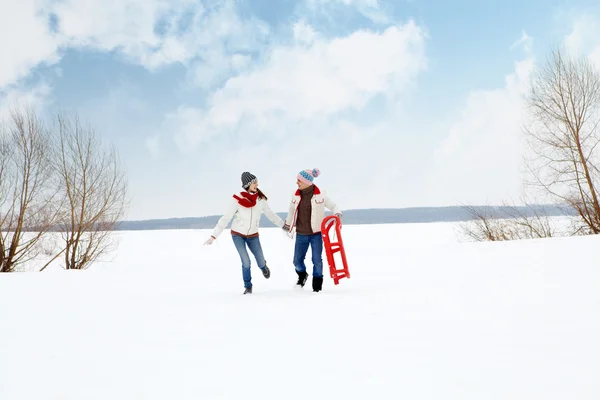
<point x="304" y="81"/>
<point x="525" y="41"/>
<point x="151" y="33"/>
<point x="25" y="40"/>
<point x="214" y="46"/>
<point x="109" y="24"/>
<point x="240" y="62"/>
<point x="355" y="3"/>
<point x="579" y="37"/>
<point x="584" y="37"/>
<point x="185" y="122"/>
<point x="191" y="32"/>
<point x="371" y="9"/>
<point x="307" y="106"/>
<point x="153" y="145"/>
<point x="35" y="97"/>
<point x="377" y="164"/>
<point x="217" y="65"/>
<point x="479" y="161"/>
<point x="304" y="33"/>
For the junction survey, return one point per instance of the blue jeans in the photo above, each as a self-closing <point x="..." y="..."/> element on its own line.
<point x="315" y="241"/>
<point x="253" y="244"/>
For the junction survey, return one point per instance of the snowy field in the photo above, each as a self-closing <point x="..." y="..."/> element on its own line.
<point x="422" y="317"/>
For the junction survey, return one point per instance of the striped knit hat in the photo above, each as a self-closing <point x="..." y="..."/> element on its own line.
<point x="308" y="175"/>
<point x="247" y="179"/>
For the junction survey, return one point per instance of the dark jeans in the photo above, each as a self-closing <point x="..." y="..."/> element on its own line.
<point x="315" y="241"/>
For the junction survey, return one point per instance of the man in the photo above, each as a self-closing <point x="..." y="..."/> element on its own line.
<point x="305" y="215"/>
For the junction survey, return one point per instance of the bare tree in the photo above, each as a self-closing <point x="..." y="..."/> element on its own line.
<point x="529" y="222"/>
<point x="483" y="226"/>
<point x="512" y="223"/>
<point x="28" y="200"/>
<point x="95" y="189"/>
<point x="563" y="135"/>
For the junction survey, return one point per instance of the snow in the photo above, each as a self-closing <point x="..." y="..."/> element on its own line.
<point x="424" y="316"/>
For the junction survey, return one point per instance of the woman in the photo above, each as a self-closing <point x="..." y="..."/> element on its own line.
<point x="306" y="213"/>
<point x="246" y="210"/>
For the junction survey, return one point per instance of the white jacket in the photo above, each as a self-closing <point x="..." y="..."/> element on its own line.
<point x="319" y="202"/>
<point x="246" y="220"/>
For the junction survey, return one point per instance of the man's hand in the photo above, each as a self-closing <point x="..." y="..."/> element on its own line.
<point x="209" y="241"/>
<point x="340" y="217"/>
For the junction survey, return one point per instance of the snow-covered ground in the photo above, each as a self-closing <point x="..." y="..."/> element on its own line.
<point x="422" y="317"/>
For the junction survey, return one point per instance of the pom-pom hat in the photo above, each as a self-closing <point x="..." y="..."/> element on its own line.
<point x="307" y="176"/>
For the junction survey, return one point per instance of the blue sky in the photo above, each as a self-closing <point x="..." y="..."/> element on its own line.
<point x="399" y="103"/>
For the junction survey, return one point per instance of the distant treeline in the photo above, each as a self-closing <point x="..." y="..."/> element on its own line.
<point x="359" y="217"/>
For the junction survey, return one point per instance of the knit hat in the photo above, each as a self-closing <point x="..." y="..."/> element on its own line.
<point x="247" y="179"/>
<point x="308" y="175"/>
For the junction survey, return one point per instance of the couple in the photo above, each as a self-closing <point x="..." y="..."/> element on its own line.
<point x="306" y="212"/>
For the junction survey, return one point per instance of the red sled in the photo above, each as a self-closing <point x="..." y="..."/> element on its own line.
<point x="332" y="247"/>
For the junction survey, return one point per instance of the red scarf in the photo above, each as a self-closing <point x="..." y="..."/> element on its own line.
<point x="316" y="190"/>
<point x="249" y="199"/>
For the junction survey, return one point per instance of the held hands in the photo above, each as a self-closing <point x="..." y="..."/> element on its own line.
<point x="209" y="241"/>
<point x="287" y="230"/>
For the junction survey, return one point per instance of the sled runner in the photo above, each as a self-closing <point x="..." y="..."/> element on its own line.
<point x="335" y="246"/>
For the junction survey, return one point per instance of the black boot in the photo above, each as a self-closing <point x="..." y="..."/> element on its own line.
<point x="317" y="284"/>
<point x="248" y="290"/>
<point x="302" y="277"/>
<point x="266" y="272"/>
